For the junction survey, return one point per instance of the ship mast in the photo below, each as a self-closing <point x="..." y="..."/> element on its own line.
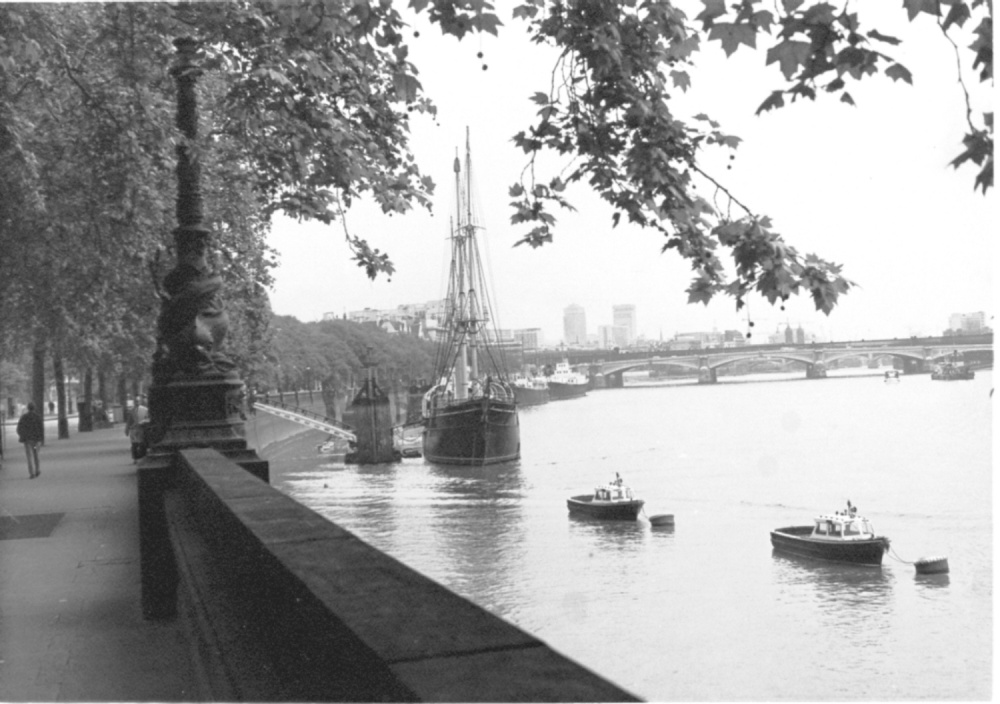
<point x="458" y="262"/>
<point x="473" y="264"/>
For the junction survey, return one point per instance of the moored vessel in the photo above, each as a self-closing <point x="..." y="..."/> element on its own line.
<point x="842" y="536"/>
<point x="612" y="501"/>
<point x="530" y="390"/>
<point x="565" y="383"/>
<point x="952" y="372"/>
<point x="470" y="412"/>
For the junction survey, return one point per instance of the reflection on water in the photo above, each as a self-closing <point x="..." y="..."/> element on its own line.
<point x="931" y="582"/>
<point x="859" y="588"/>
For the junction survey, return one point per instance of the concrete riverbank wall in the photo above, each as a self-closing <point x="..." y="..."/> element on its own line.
<point x="284" y="605"/>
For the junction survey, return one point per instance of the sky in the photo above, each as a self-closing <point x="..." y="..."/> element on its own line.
<point x="868" y="187"/>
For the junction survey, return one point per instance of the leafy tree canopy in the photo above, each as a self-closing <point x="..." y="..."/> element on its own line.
<point x="336" y="79"/>
<point x="306" y="106"/>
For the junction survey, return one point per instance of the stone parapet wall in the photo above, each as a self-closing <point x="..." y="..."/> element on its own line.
<point x="286" y="605"/>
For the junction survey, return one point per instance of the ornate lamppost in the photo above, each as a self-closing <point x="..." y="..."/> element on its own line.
<point x="196" y="395"/>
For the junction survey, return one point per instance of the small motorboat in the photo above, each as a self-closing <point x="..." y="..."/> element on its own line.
<point x="842" y="536"/>
<point x="892" y="375"/>
<point x="613" y="501"/>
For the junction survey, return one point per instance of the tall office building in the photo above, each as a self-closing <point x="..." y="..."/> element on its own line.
<point x="530" y="338"/>
<point x="574" y="325"/>
<point x="967" y="322"/>
<point x="623" y="316"/>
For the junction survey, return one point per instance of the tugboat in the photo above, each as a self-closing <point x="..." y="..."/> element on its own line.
<point x="613" y="501"/>
<point x="530" y="390"/>
<point x="952" y="372"/>
<point x="470" y="412"/>
<point x="842" y="536"/>
<point x="952" y="369"/>
<point x="565" y="383"/>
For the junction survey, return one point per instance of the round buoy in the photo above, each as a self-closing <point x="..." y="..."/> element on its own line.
<point x="662" y="519"/>
<point x="932" y="565"/>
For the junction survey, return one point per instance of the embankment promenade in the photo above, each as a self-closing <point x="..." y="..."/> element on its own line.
<point x="268" y="600"/>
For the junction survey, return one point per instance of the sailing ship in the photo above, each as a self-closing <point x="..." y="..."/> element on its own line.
<point x="470" y="412"/>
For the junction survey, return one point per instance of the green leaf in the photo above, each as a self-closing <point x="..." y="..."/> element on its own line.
<point x="958" y="14"/>
<point x="773" y="101"/>
<point x="875" y="34"/>
<point x="681" y="79"/>
<point x="846" y="98"/>
<point x="732" y="35"/>
<point x="713" y="9"/>
<point x="915" y="7"/>
<point x="898" y="72"/>
<point x="790" y="55"/>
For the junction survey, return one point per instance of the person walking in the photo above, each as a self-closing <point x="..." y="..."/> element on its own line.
<point x="135" y="428"/>
<point x="31" y="432"/>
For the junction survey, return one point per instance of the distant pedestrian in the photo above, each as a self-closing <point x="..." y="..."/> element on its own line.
<point x="135" y="428"/>
<point x="31" y="432"/>
<point x="52" y="407"/>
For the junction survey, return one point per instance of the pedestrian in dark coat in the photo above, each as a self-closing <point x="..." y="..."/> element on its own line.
<point x="31" y="432"/>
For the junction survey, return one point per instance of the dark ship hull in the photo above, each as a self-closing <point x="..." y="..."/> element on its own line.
<point x="476" y="432"/>
<point x="609" y="510"/>
<point x="526" y="396"/>
<point x="795" y="540"/>
<point x="559" y="391"/>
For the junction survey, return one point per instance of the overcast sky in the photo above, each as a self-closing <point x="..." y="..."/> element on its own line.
<point x="868" y="187"/>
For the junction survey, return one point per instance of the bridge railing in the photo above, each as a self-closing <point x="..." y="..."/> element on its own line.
<point x="308" y="414"/>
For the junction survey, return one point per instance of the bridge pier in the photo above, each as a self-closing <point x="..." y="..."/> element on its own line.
<point x="916" y="366"/>
<point x="816" y="371"/>
<point x="614" y="380"/>
<point x="708" y="375"/>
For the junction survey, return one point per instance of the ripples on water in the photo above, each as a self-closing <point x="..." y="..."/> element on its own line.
<point x="705" y="610"/>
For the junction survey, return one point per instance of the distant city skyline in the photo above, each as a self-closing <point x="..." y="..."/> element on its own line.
<point x="575" y="332"/>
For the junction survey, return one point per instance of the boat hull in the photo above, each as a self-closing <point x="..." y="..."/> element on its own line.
<point x="559" y="391"/>
<point x="526" y="396"/>
<point x="476" y="432"/>
<point x="585" y="505"/>
<point x="795" y="540"/>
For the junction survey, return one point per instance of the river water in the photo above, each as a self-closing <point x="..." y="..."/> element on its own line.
<point x="704" y="610"/>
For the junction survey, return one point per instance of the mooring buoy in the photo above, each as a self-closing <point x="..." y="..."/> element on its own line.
<point x="932" y="565"/>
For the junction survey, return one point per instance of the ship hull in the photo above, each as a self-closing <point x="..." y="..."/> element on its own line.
<point x="476" y="432"/>
<point x="795" y="540"/>
<point x="530" y="396"/>
<point x="559" y="391"/>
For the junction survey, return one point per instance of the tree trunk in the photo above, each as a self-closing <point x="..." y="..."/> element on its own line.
<point x="60" y="379"/>
<point x="102" y="388"/>
<point x="38" y="375"/>
<point x="86" y="407"/>
<point x="122" y="395"/>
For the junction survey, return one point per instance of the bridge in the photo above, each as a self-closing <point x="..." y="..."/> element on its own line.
<point x="308" y="418"/>
<point x="816" y="359"/>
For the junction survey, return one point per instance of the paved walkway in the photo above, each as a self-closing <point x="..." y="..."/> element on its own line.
<point x="71" y="626"/>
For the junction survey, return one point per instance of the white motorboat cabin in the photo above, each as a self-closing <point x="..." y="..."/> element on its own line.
<point x="615" y="491"/>
<point x="842" y="525"/>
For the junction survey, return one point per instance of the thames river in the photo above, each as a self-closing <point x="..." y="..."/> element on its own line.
<point x="704" y="610"/>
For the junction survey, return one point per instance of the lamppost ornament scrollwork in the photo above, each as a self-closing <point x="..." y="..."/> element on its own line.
<point x="192" y="326"/>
